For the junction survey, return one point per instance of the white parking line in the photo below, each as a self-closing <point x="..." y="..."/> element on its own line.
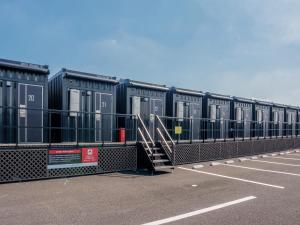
<point x="201" y="211"/>
<point x="294" y="154"/>
<point x="286" y="158"/>
<point x="232" y="178"/>
<point x="263" y="170"/>
<point x="278" y="163"/>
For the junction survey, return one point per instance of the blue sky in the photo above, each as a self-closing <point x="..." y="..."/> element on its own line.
<point x="247" y="48"/>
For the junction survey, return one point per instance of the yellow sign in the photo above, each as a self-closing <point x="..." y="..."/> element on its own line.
<point x="178" y="130"/>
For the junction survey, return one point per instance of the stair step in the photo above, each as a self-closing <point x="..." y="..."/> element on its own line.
<point x="157" y="154"/>
<point x="160" y="161"/>
<point x="163" y="167"/>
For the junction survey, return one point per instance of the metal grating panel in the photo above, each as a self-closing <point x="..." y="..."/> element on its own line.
<point x="258" y="146"/>
<point x="77" y="171"/>
<point x="117" y="159"/>
<point x="245" y="148"/>
<point x="280" y="145"/>
<point x="269" y="145"/>
<point x="187" y="153"/>
<point x="210" y="151"/>
<point x="29" y="164"/>
<point x="228" y="150"/>
<point x="289" y="143"/>
<point x="297" y="142"/>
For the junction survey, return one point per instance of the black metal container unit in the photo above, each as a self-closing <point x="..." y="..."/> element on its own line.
<point x="186" y="106"/>
<point x="290" y="120"/>
<point x="241" y="116"/>
<point x="23" y="99"/>
<point x="216" y="110"/>
<point x="88" y="102"/>
<point x="277" y="120"/>
<point x="261" y="116"/>
<point x="140" y="98"/>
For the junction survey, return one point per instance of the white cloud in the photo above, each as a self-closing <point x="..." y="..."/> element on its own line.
<point x="278" y="21"/>
<point x="280" y="86"/>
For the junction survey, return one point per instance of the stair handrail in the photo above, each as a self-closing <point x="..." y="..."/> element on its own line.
<point x="144" y="139"/>
<point x="165" y="129"/>
<point x="144" y="127"/>
<point x="162" y="136"/>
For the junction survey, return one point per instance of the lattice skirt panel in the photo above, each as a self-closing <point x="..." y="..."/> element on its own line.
<point x="187" y="153"/>
<point x="28" y="164"/>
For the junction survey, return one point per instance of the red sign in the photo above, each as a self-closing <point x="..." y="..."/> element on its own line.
<point x="89" y="155"/>
<point x="58" y="152"/>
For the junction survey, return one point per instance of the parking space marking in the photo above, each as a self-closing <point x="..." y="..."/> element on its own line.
<point x="263" y="170"/>
<point x="286" y="158"/>
<point x="232" y="178"/>
<point x="294" y="154"/>
<point x="278" y="163"/>
<point x="201" y="211"/>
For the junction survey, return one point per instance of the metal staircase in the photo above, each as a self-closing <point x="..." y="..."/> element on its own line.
<point x="152" y="155"/>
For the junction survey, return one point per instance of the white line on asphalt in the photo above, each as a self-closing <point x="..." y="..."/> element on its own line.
<point x="286" y="158"/>
<point x="278" y="163"/>
<point x="294" y="154"/>
<point x="263" y="170"/>
<point x="201" y="211"/>
<point x="232" y="178"/>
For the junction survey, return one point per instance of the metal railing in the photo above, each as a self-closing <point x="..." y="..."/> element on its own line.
<point x="145" y="129"/>
<point x="145" y="141"/>
<point x="50" y="127"/>
<point x="202" y="129"/>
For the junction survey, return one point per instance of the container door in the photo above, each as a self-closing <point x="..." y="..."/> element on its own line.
<point x="30" y="113"/>
<point x="72" y="122"/>
<point x="145" y="111"/>
<point x="107" y="117"/>
<point x="155" y="109"/>
<point x="195" y="113"/>
<point x="185" y="122"/>
<point x="103" y="121"/>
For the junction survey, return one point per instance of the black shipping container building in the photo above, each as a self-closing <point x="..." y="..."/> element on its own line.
<point x="290" y="120"/>
<point x="298" y="122"/>
<point x="87" y="104"/>
<point x="277" y="120"/>
<point x="23" y="99"/>
<point x="262" y="118"/>
<point x="141" y="98"/>
<point x="186" y="106"/>
<point x="216" y="110"/>
<point x="241" y="116"/>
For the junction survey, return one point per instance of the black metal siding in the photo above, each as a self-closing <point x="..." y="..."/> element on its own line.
<point x="10" y="78"/>
<point x="277" y="130"/>
<point x="259" y="130"/>
<point x="290" y="130"/>
<point x="242" y="130"/>
<point x="59" y="87"/>
<point x="190" y="130"/>
<point x="220" y="130"/>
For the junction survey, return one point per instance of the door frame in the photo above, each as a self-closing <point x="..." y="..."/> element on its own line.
<point x="26" y="120"/>
<point x="151" y="102"/>
<point x="191" y="114"/>
<point x="111" y="121"/>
